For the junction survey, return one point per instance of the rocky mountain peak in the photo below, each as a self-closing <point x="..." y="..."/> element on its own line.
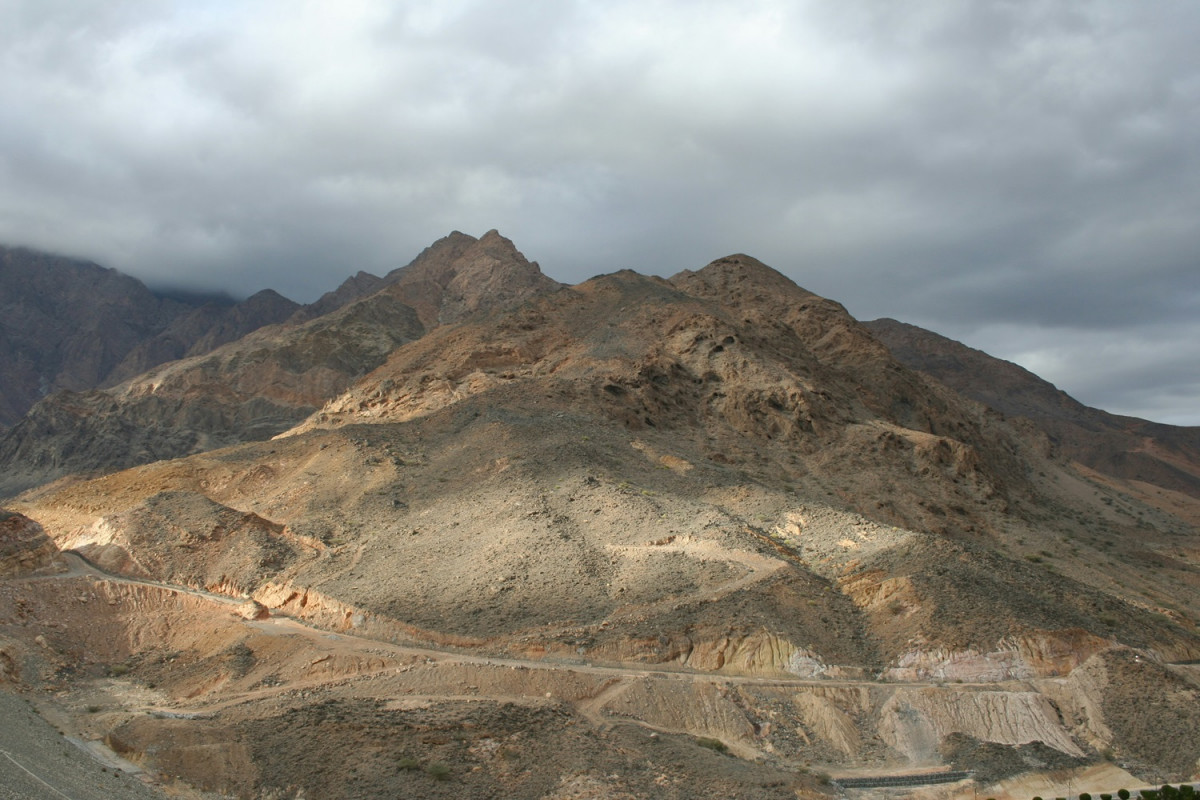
<point x="737" y="278"/>
<point x="459" y="275"/>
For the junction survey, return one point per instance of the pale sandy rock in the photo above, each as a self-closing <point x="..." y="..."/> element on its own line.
<point x="252" y="609"/>
<point x="914" y="721"/>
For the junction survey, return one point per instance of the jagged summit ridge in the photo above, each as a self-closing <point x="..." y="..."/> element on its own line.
<point x="460" y="275"/>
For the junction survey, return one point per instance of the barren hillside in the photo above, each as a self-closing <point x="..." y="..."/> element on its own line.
<point x="694" y="537"/>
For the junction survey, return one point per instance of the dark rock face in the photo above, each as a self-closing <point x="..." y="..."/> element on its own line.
<point x="248" y="390"/>
<point x="73" y="325"/>
<point x="204" y="330"/>
<point x="67" y="324"/>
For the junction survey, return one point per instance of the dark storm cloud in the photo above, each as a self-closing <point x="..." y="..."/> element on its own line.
<point x="1019" y="175"/>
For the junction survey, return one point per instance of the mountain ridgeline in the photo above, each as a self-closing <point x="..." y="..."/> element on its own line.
<point x="713" y="505"/>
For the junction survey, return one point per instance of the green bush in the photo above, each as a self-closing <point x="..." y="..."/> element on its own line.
<point x="1123" y="794"/>
<point x="408" y="764"/>
<point x="438" y="771"/>
<point x="1084" y="796"/>
<point x="715" y="745"/>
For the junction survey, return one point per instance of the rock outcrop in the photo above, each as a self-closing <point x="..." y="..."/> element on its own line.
<point x="24" y="546"/>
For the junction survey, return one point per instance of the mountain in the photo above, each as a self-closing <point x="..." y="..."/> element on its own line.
<point x="72" y="325"/>
<point x="704" y="536"/>
<point x="202" y="330"/>
<point x="454" y="276"/>
<point x="1160" y="463"/>
<point x="262" y="382"/>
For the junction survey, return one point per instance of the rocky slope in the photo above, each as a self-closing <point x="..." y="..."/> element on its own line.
<point x="564" y="518"/>
<point x="1131" y="449"/>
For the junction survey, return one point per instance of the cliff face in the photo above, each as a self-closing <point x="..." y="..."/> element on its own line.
<point x="67" y="324"/>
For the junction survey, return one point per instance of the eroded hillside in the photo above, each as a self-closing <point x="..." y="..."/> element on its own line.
<point x="602" y="521"/>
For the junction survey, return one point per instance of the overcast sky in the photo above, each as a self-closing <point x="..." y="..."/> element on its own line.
<point x="1021" y="176"/>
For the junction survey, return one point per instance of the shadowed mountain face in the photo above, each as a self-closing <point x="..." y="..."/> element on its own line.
<point x="67" y="324"/>
<point x="719" y="474"/>
<point x="1127" y="448"/>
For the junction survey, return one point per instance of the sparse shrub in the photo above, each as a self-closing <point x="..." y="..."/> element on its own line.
<point x="438" y="771"/>
<point x="93" y="709"/>
<point x="117" y="670"/>
<point x="1032" y="558"/>
<point x="716" y="745"/>
<point x="408" y="764"/>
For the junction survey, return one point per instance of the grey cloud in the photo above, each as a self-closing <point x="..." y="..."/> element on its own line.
<point x="970" y="167"/>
